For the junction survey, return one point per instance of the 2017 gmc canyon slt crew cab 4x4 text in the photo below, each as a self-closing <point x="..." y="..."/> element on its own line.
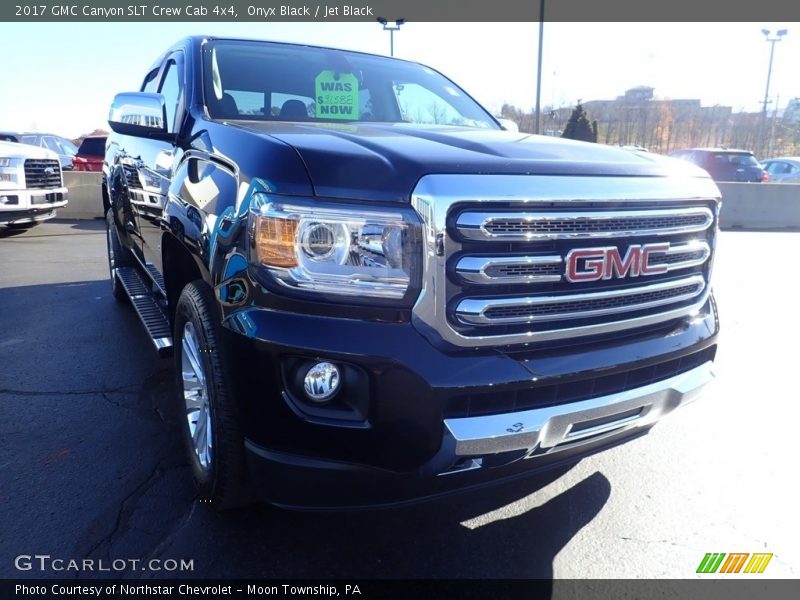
<point x="376" y="295"/>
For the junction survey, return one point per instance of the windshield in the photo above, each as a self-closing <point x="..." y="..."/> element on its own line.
<point x="268" y="81"/>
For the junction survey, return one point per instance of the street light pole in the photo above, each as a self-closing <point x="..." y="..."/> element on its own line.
<point x="771" y="39"/>
<point x="391" y="29"/>
<point x="539" y="70"/>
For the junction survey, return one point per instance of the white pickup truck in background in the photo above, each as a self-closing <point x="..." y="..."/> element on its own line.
<point x="31" y="185"/>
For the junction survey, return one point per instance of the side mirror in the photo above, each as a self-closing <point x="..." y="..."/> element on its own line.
<point x="508" y="124"/>
<point x="139" y="114"/>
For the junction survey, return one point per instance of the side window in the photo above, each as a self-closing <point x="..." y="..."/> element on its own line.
<point x="247" y="102"/>
<point x="51" y="144"/>
<point x="706" y="160"/>
<point x="67" y="147"/>
<point x="150" y="82"/>
<point x="171" y="90"/>
<point x="30" y="140"/>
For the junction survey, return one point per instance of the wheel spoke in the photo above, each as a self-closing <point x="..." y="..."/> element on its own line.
<point x="193" y="399"/>
<point x="209" y="438"/>
<point x="195" y="395"/>
<point x="199" y="430"/>
<point x="190" y="382"/>
<point x="192" y="356"/>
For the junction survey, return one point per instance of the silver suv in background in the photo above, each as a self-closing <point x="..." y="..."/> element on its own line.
<point x="63" y="147"/>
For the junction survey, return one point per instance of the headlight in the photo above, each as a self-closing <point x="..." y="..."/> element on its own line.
<point x="8" y="172"/>
<point x="339" y="251"/>
<point x="149" y="181"/>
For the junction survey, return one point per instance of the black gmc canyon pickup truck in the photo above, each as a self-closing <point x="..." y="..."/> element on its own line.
<point x="376" y="295"/>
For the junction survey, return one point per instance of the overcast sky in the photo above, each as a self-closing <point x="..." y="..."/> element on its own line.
<point x="61" y="77"/>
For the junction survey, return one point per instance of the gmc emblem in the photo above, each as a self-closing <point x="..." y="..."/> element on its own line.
<point x="606" y="263"/>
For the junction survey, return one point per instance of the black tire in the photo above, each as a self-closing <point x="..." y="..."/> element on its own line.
<point x="118" y="256"/>
<point x="221" y="480"/>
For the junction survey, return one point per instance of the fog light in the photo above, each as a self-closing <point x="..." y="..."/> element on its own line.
<point x="322" y="382"/>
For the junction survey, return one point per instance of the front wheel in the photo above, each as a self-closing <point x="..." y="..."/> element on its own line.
<point x="210" y="416"/>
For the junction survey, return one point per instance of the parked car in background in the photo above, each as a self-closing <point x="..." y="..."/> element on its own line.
<point x="785" y="169"/>
<point x="63" y="147"/>
<point x="725" y="164"/>
<point x="31" y="185"/>
<point x="90" y="154"/>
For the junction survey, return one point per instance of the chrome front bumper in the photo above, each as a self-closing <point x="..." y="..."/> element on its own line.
<point x="568" y="425"/>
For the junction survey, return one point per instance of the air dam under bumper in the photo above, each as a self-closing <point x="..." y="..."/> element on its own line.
<point x="31" y="206"/>
<point x="477" y="451"/>
<point x="567" y="425"/>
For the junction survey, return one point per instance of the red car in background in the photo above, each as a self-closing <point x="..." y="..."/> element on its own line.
<point x="90" y="154"/>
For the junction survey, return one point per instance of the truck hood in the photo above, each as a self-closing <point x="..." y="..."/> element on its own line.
<point x="385" y="161"/>
<point x="15" y="150"/>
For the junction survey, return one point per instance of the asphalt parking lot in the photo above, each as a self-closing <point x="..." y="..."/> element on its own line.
<point x="90" y="463"/>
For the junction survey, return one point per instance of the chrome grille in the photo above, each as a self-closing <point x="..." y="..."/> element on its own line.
<point x="42" y="173"/>
<point x="507" y="256"/>
<point x="131" y="176"/>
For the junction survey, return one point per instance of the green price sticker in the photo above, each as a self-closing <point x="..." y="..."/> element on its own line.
<point x="337" y="96"/>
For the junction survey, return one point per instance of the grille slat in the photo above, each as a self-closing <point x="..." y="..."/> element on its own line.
<point x="495" y="270"/>
<point x="526" y="226"/>
<point x="42" y="173"/>
<point x="494" y="311"/>
<point x="521" y="270"/>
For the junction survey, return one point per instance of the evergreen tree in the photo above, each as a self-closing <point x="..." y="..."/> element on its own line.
<point x="579" y="128"/>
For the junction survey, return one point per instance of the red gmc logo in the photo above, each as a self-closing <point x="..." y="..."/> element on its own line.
<point x="592" y="264"/>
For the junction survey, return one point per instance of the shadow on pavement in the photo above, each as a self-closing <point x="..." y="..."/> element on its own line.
<point x="94" y="440"/>
<point x="86" y="224"/>
<point x="53" y="227"/>
<point x="496" y="533"/>
<point x="7" y="232"/>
